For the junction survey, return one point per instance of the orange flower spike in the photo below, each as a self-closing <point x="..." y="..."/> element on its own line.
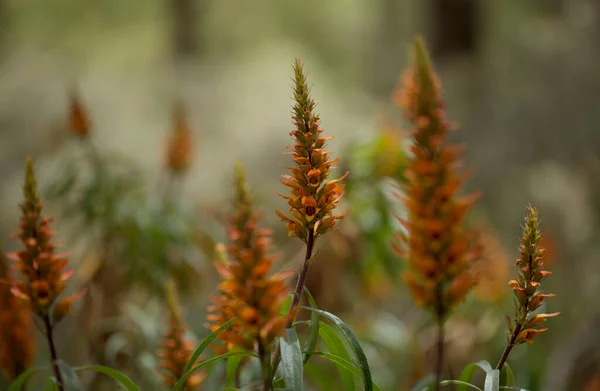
<point x="79" y="122"/>
<point x="439" y="250"/>
<point x="525" y="326"/>
<point x="17" y="349"/>
<point x="313" y="197"/>
<point x="179" y="146"/>
<point x="247" y="292"/>
<point x="43" y="270"/>
<point x="176" y="349"/>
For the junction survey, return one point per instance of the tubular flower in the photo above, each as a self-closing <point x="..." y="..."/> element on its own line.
<point x="176" y="349"/>
<point x="247" y="292"/>
<point x="45" y="277"/>
<point x="439" y="251"/>
<point x="79" y="122"/>
<point x="313" y="195"/>
<point x="179" y="146"/>
<point x="17" y="348"/>
<point x="527" y="287"/>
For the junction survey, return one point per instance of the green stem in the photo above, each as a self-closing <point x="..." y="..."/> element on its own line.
<point x="265" y="361"/>
<point x="310" y="243"/>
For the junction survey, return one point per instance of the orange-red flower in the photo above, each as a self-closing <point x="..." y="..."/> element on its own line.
<point x="79" y="122"/>
<point x="313" y="195"/>
<point x="527" y="287"/>
<point x="439" y="250"/>
<point x="247" y="292"/>
<point x="43" y="270"/>
<point x="17" y="347"/>
<point x="176" y="348"/>
<point x="179" y="151"/>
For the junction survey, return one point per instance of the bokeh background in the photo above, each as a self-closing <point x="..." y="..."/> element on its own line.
<point x="519" y="76"/>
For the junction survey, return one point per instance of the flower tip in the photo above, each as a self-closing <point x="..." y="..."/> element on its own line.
<point x="172" y="298"/>
<point x="298" y="65"/>
<point x="239" y="171"/>
<point x="66" y="275"/>
<point x="29" y="164"/>
<point x="421" y="54"/>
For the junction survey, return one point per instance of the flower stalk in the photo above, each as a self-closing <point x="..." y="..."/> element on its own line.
<point x="526" y="325"/>
<point x="43" y="271"/>
<point x="313" y="196"/>
<point x="247" y="293"/>
<point x="439" y="251"/>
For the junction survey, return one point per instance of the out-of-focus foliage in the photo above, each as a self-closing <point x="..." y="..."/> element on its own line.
<point x="151" y="231"/>
<point x="377" y="166"/>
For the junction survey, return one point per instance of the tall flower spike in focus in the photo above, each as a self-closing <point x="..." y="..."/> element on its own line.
<point x="17" y="348"/>
<point x="179" y="146"/>
<point x="527" y="288"/>
<point x="247" y="292"/>
<point x="79" y="122"/>
<point x="176" y="349"/>
<point x="313" y="195"/>
<point x="43" y="270"/>
<point x="439" y="251"/>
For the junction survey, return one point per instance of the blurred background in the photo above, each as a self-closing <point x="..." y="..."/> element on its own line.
<point x="520" y="77"/>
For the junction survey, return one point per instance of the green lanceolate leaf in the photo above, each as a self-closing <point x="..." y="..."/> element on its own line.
<point x="345" y="364"/>
<point x="492" y="381"/>
<point x="231" y="371"/>
<point x="319" y="376"/>
<point x="19" y="382"/>
<point x="181" y="382"/>
<point x="211" y="337"/>
<point x="486" y="366"/>
<point x="467" y="374"/>
<point x="291" y="361"/>
<point x="361" y="358"/>
<point x="313" y="330"/>
<point x="336" y="346"/>
<point x="70" y="378"/>
<point x="285" y="306"/>
<point x="119" y="377"/>
<point x="507" y="378"/>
